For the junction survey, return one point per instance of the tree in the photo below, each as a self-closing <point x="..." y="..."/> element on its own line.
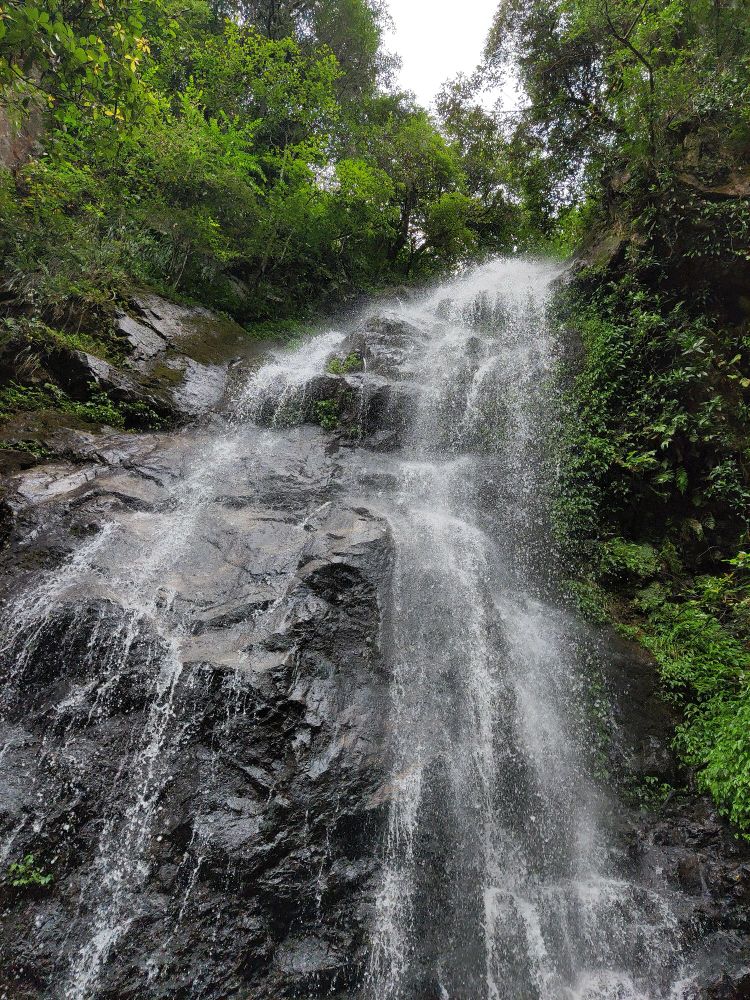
<point x="483" y="150"/>
<point x="611" y="84"/>
<point x="88" y="55"/>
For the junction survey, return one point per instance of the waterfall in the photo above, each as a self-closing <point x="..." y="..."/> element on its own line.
<point x="136" y="571"/>
<point x="488" y="868"/>
<point x="498" y="882"/>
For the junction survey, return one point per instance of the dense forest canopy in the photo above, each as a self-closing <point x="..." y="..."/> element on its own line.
<point x="254" y="155"/>
<point x="609" y="91"/>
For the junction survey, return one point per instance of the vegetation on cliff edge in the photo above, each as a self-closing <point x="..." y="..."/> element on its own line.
<point x="253" y="156"/>
<point x="634" y="146"/>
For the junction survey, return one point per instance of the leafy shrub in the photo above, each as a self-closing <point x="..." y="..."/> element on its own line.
<point x="589" y="598"/>
<point x="707" y="669"/>
<point x="345" y="366"/>
<point x="619" y="557"/>
<point x="31" y="447"/>
<point x="99" y="408"/>
<point x="24" y="874"/>
<point x="327" y="413"/>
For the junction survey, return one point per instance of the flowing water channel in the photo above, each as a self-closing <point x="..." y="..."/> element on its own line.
<point x="497" y="874"/>
<point x="499" y="881"/>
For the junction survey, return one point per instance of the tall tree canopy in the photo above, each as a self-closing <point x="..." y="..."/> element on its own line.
<point x="253" y="155"/>
<point x="615" y="84"/>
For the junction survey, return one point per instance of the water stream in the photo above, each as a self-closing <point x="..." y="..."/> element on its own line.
<point x="499" y="880"/>
<point x="498" y="875"/>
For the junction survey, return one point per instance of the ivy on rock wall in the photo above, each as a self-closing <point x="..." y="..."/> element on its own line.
<point x="654" y="507"/>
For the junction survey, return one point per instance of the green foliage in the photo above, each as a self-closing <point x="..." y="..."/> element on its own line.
<point x="588" y="598"/>
<point x="655" y="501"/>
<point x="494" y="220"/>
<point x="39" y="337"/>
<point x="54" y="53"/>
<point x="699" y="641"/>
<point x="31" y="447"/>
<point x="612" y="90"/>
<point x="619" y="557"/>
<point x="657" y="421"/>
<point x="707" y="668"/>
<point x="24" y="874"/>
<point x="352" y="29"/>
<point x="29" y="341"/>
<point x="651" y="794"/>
<point x="97" y="409"/>
<point x="251" y="160"/>
<point x="345" y="366"/>
<point x="328" y="414"/>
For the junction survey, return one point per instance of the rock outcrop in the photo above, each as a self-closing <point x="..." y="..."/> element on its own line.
<point x="251" y="868"/>
<point x="195" y="708"/>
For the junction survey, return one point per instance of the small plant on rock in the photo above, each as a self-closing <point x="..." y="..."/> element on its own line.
<point x="327" y="414"/>
<point x="345" y="366"/>
<point x="24" y="874"/>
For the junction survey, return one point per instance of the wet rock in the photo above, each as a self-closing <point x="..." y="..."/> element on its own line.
<point x="183" y="352"/>
<point x="365" y="407"/>
<point x="109" y="447"/>
<point x="143" y="339"/>
<point x="306" y="956"/>
<point x="79" y="373"/>
<point x="642" y="716"/>
<point x="690" y="874"/>
<point x="729" y="987"/>
<point x="200" y="387"/>
<point x="735" y="184"/>
<point x="260" y="851"/>
<point x="676" y="835"/>
<point x="48" y="481"/>
<point x="387" y="344"/>
<point x="200" y="334"/>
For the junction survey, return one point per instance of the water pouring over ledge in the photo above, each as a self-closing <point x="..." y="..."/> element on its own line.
<point x="498" y="880"/>
<point x="351" y="724"/>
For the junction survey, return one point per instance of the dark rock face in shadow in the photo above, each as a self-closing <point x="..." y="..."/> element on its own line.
<point x="258" y="851"/>
<point x="676" y="835"/>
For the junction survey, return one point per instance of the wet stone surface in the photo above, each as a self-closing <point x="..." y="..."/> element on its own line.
<point x="198" y="731"/>
<point x="261" y="825"/>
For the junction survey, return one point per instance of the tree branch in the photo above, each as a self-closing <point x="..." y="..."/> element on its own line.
<point x="625" y="40"/>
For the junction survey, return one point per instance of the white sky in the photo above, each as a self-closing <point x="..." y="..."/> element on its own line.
<point x="437" y="39"/>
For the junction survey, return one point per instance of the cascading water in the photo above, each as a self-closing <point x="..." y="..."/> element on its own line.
<point x="136" y="572"/>
<point x="496" y="876"/>
<point x="498" y="882"/>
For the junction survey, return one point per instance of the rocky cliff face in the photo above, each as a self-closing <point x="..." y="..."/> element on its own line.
<point x="196" y="702"/>
<point x="251" y="840"/>
<point x="197" y="765"/>
<point x="152" y="364"/>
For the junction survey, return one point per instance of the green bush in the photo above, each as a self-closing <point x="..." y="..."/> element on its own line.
<point x="99" y="408"/>
<point x="707" y="669"/>
<point x="345" y="366"/>
<point x="619" y="557"/>
<point x="24" y="874"/>
<point x="327" y="413"/>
